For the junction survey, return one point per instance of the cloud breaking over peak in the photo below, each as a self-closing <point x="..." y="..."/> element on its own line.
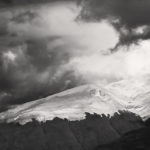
<point x="50" y="47"/>
<point x="38" y="43"/>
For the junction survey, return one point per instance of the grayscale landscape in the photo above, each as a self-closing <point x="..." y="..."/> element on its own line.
<point x="74" y="75"/>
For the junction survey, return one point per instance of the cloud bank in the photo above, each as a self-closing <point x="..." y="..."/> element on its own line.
<point x="127" y="62"/>
<point x="129" y="17"/>
<point x="38" y="43"/>
<point x="48" y="48"/>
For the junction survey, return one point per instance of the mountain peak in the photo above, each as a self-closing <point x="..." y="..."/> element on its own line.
<point x="72" y="104"/>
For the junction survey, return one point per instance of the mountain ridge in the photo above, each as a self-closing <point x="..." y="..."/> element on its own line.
<point x="62" y="134"/>
<point x="72" y="104"/>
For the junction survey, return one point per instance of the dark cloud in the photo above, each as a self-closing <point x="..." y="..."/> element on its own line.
<point x="24" y="17"/>
<point x="14" y="3"/>
<point x="35" y="72"/>
<point x="129" y="14"/>
<point x="42" y="49"/>
<point x="32" y="65"/>
<point x="132" y="13"/>
<point x="5" y="3"/>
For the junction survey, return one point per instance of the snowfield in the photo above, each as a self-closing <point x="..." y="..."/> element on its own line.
<point x="130" y="95"/>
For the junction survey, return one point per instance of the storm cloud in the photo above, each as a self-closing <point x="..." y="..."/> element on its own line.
<point x="50" y="46"/>
<point x="131" y="17"/>
<point x="37" y="45"/>
<point x="31" y="58"/>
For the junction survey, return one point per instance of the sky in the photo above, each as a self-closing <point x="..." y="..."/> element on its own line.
<point x="48" y="46"/>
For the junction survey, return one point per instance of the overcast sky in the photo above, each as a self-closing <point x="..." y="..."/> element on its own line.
<point x="49" y="46"/>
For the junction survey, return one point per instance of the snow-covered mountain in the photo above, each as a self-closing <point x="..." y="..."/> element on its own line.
<point x="134" y="94"/>
<point x="129" y="95"/>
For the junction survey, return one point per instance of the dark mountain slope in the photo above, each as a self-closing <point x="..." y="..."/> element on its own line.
<point x="61" y="134"/>
<point x="134" y="140"/>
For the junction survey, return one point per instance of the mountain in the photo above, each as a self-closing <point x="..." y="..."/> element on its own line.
<point x="134" y="140"/>
<point x="61" y="134"/>
<point x="129" y="95"/>
<point x="134" y="94"/>
<point x="71" y="104"/>
<point x="88" y="117"/>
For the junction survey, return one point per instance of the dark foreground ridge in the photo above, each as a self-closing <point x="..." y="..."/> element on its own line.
<point x="123" y="131"/>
